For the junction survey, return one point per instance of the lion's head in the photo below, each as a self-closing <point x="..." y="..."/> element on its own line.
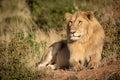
<point x="78" y="24"/>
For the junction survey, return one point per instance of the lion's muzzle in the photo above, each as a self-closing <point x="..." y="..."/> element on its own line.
<point x="74" y="36"/>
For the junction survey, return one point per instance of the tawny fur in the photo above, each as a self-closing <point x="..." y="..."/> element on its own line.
<point x="85" y="39"/>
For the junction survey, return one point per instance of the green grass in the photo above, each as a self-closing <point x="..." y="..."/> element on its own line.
<point x="49" y="14"/>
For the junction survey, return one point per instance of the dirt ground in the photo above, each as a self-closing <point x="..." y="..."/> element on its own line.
<point x="106" y="72"/>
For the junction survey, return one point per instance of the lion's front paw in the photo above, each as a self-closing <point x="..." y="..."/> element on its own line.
<point x="40" y="67"/>
<point x="52" y="67"/>
<point x="93" y="65"/>
<point x="77" y="68"/>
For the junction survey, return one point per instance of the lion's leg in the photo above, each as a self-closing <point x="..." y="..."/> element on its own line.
<point x="49" y="57"/>
<point x="46" y="58"/>
<point x="76" y="65"/>
<point x="95" y="60"/>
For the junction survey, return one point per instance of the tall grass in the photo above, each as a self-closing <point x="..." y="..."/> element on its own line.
<point x="14" y="17"/>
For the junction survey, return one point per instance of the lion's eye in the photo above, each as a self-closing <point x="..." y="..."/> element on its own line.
<point x="80" y="22"/>
<point x="70" y="23"/>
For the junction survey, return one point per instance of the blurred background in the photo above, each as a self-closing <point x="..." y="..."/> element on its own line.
<point x="28" y="27"/>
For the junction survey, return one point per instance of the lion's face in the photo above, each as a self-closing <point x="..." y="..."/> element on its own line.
<point x="77" y="24"/>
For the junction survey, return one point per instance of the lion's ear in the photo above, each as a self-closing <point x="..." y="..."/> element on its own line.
<point x="89" y="15"/>
<point x="68" y="16"/>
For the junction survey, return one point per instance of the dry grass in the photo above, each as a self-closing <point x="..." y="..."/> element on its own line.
<point x="14" y="17"/>
<point x="50" y="37"/>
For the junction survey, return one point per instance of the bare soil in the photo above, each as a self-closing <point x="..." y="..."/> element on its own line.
<point x="106" y="72"/>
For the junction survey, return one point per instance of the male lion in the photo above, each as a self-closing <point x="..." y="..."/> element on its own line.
<point x="85" y="39"/>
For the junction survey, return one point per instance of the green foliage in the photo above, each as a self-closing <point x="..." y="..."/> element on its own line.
<point x="50" y="13"/>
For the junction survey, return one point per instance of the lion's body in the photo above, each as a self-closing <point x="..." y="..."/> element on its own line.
<point x="85" y="39"/>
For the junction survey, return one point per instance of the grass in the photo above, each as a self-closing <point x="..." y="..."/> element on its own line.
<point x="46" y="14"/>
<point x="27" y="27"/>
<point x="19" y="56"/>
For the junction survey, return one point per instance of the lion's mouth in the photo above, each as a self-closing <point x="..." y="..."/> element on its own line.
<point x="74" y="37"/>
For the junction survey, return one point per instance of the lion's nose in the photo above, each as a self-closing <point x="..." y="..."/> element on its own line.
<point x="72" y="32"/>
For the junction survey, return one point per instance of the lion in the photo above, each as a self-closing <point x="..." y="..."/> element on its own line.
<point x="83" y="46"/>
